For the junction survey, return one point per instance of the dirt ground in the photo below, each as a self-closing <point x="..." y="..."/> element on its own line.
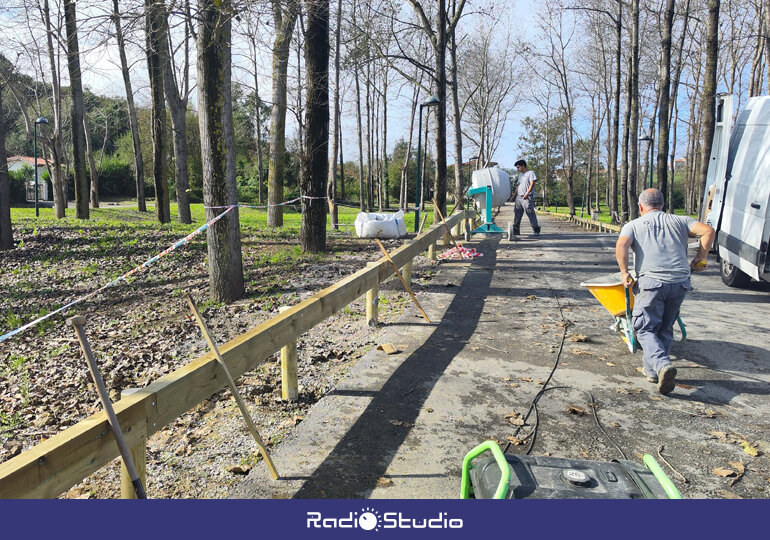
<point x="141" y="330"/>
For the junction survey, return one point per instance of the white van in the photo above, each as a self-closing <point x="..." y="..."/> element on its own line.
<point x="736" y="201"/>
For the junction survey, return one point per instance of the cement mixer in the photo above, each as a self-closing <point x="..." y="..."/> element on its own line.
<point x="490" y="188"/>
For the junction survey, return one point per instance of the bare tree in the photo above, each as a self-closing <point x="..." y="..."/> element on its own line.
<point x="76" y="91"/>
<point x="177" y="93"/>
<point x="133" y="123"/>
<point x="6" y="228"/>
<point x="665" y="88"/>
<point x="313" y="231"/>
<point x="437" y="35"/>
<point x="708" y="96"/>
<point x="284" y="17"/>
<point x="224" y="241"/>
<point x="331" y="189"/>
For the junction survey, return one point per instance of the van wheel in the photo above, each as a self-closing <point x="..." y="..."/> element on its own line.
<point x="732" y="276"/>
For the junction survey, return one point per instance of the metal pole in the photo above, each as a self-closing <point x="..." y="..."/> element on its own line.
<point x="419" y="178"/>
<point x="583" y="199"/>
<point x="652" y="156"/>
<point x="34" y="138"/>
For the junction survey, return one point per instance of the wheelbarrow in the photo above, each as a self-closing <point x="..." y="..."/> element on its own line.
<point x="619" y="301"/>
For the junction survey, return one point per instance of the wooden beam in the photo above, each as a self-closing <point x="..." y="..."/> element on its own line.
<point x="53" y="466"/>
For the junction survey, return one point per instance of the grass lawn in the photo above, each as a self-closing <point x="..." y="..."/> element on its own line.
<point x="604" y="216"/>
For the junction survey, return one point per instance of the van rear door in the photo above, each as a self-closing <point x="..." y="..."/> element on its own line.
<point x="742" y="234"/>
<point x="712" y="195"/>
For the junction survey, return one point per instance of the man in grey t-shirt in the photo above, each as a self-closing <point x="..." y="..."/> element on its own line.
<point x="524" y="200"/>
<point x="659" y="242"/>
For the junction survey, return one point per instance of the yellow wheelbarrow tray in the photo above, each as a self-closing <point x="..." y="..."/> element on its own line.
<point x="619" y="301"/>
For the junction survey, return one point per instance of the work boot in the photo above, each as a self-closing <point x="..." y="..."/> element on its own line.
<point x="537" y="231"/>
<point x="516" y="232"/>
<point x="651" y="377"/>
<point x="666" y="379"/>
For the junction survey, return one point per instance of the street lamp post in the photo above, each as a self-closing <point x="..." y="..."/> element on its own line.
<point x="649" y="139"/>
<point x="41" y="120"/>
<point x="585" y="180"/>
<point x="430" y="102"/>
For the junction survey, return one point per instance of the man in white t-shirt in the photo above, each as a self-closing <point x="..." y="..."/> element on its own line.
<point x="523" y="198"/>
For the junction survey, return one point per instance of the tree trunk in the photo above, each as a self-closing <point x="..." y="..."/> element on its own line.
<point x="385" y="171"/>
<point x="132" y="120"/>
<point x="76" y="114"/>
<point x="92" y="169"/>
<point x="361" y="193"/>
<point x="404" y="196"/>
<point x="633" y="145"/>
<point x="665" y="89"/>
<point x="284" y="19"/>
<point x="214" y="114"/>
<point x="58" y="177"/>
<point x="331" y="189"/>
<point x="615" y="135"/>
<point x="156" y="41"/>
<point x="458" y="134"/>
<point x="177" y="104"/>
<point x="313" y="231"/>
<point x="708" y="96"/>
<point x="6" y="228"/>
<point x="342" y="161"/>
<point x="439" y="185"/>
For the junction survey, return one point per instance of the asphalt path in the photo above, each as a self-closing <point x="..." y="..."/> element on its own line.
<point x="398" y="426"/>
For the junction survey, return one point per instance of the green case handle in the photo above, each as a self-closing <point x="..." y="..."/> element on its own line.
<point x="505" y="478"/>
<point x="665" y="482"/>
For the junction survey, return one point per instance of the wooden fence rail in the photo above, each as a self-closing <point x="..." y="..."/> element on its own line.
<point x="55" y="465"/>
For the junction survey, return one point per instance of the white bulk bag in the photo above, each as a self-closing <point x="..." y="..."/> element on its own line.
<point x="373" y="225"/>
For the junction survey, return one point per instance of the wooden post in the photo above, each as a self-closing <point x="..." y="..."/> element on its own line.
<point x="139" y="456"/>
<point x="406" y="272"/>
<point x="289" y="382"/>
<point x="432" y="251"/>
<point x="372" y="300"/>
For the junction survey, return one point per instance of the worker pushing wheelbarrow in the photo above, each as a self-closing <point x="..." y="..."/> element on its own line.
<point x="659" y="243"/>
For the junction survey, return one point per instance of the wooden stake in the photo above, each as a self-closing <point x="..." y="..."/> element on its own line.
<point x="104" y="396"/>
<point x="449" y="232"/>
<point x="233" y="388"/>
<point x="424" y="218"/>
<point x="414" y="298"/>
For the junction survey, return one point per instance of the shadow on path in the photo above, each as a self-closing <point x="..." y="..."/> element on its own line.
<point x="364" y="453"/>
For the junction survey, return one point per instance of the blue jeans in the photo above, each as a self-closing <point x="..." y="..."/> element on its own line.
<point x="656" y="306"/>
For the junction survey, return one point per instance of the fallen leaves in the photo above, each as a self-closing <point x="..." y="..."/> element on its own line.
<point x="579" y="352"/>
<point x="515" y="441"/>
<point x="723" y="472"/>
<point x="736" y="438"/>
<point x="388" y="349"/>
<point x="574" y="409"/>
<point x="384" y="482"/>
<point x="578" y="338"/>
<point x="515" y="418"/>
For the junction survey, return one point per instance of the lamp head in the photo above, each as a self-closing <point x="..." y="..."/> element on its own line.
<point x="42" y="120"/>
<point x="646" y="138"/>
<point x="432" y="101"/>
<point x="473" y="158"/>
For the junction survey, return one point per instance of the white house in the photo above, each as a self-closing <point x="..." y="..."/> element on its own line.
<point x="16" y="163"/>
